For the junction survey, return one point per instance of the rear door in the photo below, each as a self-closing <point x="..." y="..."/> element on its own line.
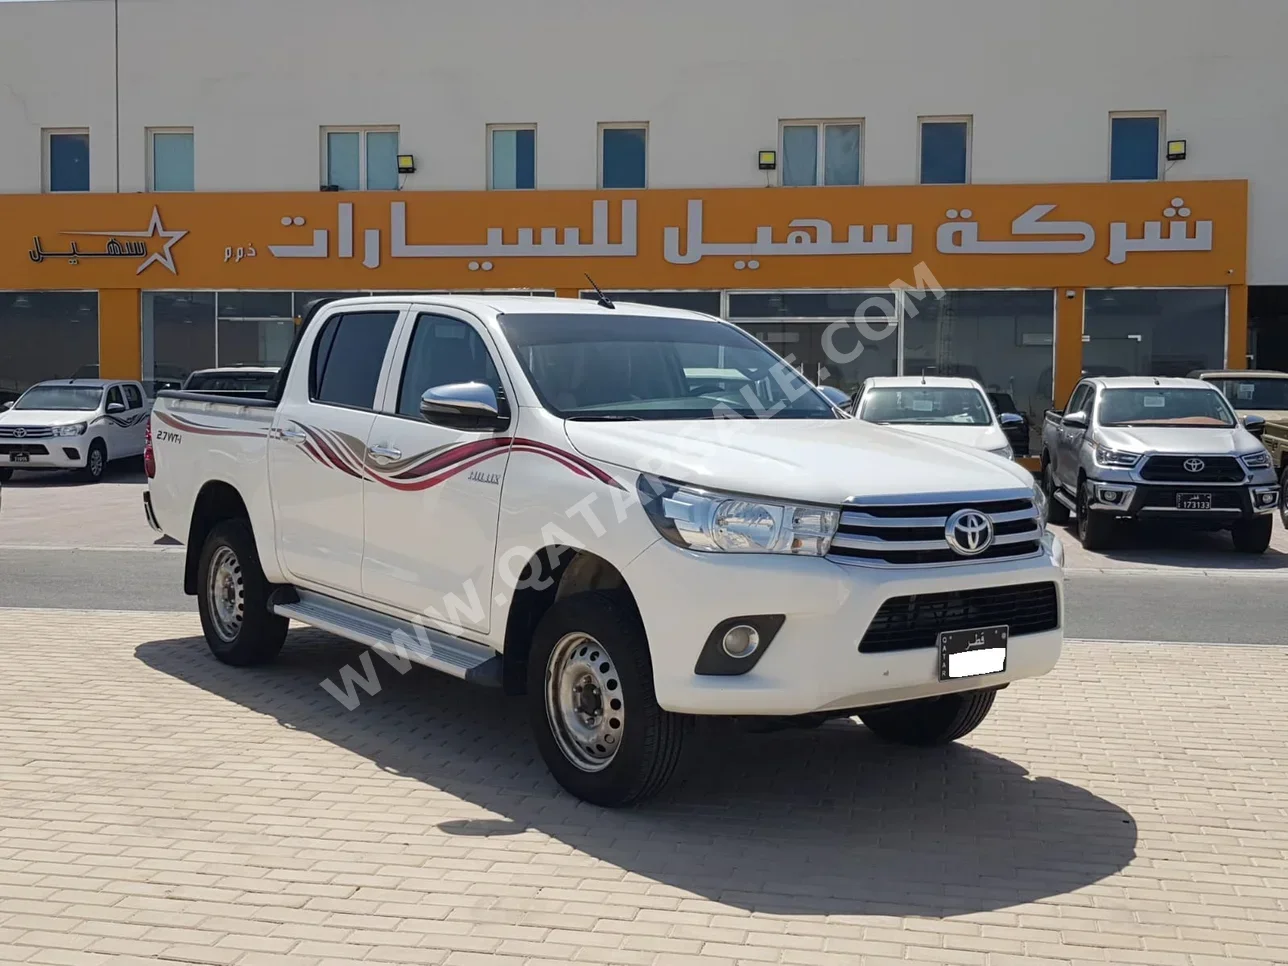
<point x="318" y="442"/>
<point x="432" y="496"/>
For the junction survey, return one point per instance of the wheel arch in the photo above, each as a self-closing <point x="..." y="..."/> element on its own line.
<point x="216" y="501"/>
<point x="551" y="574"/>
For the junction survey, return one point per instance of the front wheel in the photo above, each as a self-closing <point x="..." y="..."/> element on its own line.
<point x="1094" y="529"/>
<point x="232" y="598"/>
<point x="930" y="721"/>
<point x="1253" y="536"/>
<point x="591" y="703"/>
<point x="95" y="462"/>
<point x="1057" y="512"/>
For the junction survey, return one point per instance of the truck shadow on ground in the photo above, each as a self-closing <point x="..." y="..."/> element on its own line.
<point x="118" y="471"/>
<point x="820" y="822"/>
<point x="1157" y="544"/>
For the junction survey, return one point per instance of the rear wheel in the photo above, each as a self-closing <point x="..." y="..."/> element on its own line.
<point x="232" y="598"/>
<point x="1095" y="530"/>
<point x="930" y="721"/>
<point x="591" y="703"/>
<point x="1253" y="536"/>
<point x="1057" y="512"/>
<point x="95" y="462"/>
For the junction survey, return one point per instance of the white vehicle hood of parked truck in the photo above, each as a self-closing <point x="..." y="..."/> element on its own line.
<point x="46" y="417"/>
<point x="817" y="461"/>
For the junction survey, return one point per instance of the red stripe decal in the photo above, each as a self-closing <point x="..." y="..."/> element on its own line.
<point x="440" y="460"/>
<point x="430" y="482"/>
<point x="589" y="467"/>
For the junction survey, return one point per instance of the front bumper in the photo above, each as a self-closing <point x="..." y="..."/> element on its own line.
<point x="1159" y="501"/>
<point x="51" y="453"/>
<point x="814" y="663"/>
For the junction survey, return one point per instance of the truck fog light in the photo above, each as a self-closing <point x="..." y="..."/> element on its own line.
<point x="740" y="641"/>
<point x="1109" y="496"/>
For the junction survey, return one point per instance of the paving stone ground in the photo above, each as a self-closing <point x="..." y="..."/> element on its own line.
<point x="156" y="807"/>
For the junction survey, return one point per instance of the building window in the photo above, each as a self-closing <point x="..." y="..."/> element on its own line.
<point x="1135" y="147"/>
<point x="254" y="328"/>
<point x="170" y="159"/>
<point x="512" y="156"/>
<point x="623" y="152"/>
<point x="821" y="152"/>
<point x="1153" y="332"/>
<point x="46" y="335"/>
<point x="67" y="160"/>
<point x="945" y="150"/>
<point x="355" y="158"/>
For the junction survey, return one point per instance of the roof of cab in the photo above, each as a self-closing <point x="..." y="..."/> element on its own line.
<point x="87" y="383"/>
<point x="1239" y="374"/>
<point x="502" y="304"/>
<point x="1149" y="382"/>
<point x="955" y="382"/>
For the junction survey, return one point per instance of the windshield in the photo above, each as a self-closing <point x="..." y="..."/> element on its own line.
<point x="653" y="367"/>
<point x="70" y="398"/>
<point x="229" y="381"/>
<point x="1164" y="407"/>
<point x="926" y="406"/>
<point x="1255" y="393"/>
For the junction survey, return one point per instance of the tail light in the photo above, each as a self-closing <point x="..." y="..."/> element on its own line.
<point x="149" y="457"/>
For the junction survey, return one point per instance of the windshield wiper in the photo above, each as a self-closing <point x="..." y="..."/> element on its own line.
<point x="605" y="418"/>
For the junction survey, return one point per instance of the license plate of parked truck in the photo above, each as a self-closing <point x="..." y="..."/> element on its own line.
<point x="630" y="516"/>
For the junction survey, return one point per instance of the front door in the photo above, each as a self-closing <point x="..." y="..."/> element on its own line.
<point x="432" y="496"/>
<point x="1069" y="438"/>
<point x="317" y="448"/>
<point x="134" y="430"/>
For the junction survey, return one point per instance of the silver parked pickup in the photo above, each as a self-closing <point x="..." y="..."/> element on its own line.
<point x="1145" y="447"/>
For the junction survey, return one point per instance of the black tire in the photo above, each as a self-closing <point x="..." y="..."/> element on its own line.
<point x="1095" y="530"/>
<point x="930" y="721"/>
<point x="257" y="635"/>
<point x="648" y="741"/>
<point x="1253" y="536"/>
<point x="6" y="474"/>
<point x="1057" y="512"/>
<point x="95" y="462"/>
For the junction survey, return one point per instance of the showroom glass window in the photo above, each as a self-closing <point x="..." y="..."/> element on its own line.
<point x="820" y="332"/>
<point x="1153" y="332"/>
<point x="254" y="328"/>
<point x="1005" y="340"/>
<point x="178" y="337"/>
<point x="46" y="335"/>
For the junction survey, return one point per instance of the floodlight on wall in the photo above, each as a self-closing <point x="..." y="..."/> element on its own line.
<point x="768" y="160"/>
<point x="1176" y="151"/>
<point x="406" y="164"/>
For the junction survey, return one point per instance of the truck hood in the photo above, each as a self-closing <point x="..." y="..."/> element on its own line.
<point x="975" y="437"/>
<point x="45" y="417"/>
<point x="1180" y="440"/>
<point x="814" y="461"/>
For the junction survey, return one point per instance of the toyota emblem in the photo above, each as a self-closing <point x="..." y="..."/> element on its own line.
<point x="969" y="532"/>
<point x="20" y="432"/>
<point x="1194" y="466"/>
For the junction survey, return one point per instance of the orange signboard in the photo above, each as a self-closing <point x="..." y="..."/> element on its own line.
<point x="967" y="236"/>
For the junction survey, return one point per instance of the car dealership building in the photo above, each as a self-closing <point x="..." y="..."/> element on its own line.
<point x="1016" y="191"/>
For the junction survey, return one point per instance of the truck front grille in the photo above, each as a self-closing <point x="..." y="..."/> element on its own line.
<point x="26" y="432"/>
<point x="908" y="534"/>
<point x="1171" y="469"/>
<point x="907" y="623"/>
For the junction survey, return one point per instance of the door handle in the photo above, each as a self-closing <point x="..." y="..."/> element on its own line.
<point x="384" y="454"/>
<point x="290" y="432"/>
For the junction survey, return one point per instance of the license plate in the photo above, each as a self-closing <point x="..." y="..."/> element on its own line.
<point x="968" y="654"/>
<point x="1194" y="501"/>
<point x="19" y="457"/>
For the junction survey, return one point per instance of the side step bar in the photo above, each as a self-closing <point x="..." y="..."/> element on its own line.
<point x="1066" y="501"/>
<point x="462" y="659"/>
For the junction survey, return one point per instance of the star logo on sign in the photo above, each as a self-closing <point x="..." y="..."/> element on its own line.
<point x="164" y="258"/>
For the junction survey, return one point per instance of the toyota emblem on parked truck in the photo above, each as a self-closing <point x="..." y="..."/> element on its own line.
<point x="1194" y="465"/>
<point x="969" y="532"/>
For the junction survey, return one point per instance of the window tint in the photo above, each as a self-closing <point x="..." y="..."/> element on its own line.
<point x="1079" y="400"/>
<point x="945" y="146"/>
<point x="1134" y="148"/>
<point x="443" y="351"/>
<point x="133" y="398"/>
<point x="69" y="161"/>
<point x="348" y="357"/>
<point x="114" y="396"/>
<point x="623" y="153"/>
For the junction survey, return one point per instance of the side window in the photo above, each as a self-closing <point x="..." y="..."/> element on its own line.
<point x="443" y="351"/>
<point x="1079" y="399"/>
<point x="348" y="356"/>
<point x="133" y="398"/>
<point x="114" y="396"/>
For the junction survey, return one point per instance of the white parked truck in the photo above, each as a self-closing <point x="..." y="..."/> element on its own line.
<point x="556" y="497"/>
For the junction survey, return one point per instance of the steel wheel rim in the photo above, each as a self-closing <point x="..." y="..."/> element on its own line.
<point x="95" y="462"/>
<point x="584" y="702"/>
<point x="226" y="594"/>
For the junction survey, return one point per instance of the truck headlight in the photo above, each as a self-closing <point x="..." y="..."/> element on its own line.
<point x="1116" y="457"/>
<point x="1005" y="452"/>
<point x="713" y="522"/>
<point x="75" y="429"/>
<point x="1040" y="502"/>
<point x="1257" y="461"/>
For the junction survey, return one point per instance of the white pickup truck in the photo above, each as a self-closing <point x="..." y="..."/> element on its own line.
<point x="556" y="498"/>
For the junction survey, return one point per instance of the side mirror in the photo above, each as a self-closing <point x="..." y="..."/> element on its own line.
<point x="470" y="406"/>
<point x="6" y="406"/>
<point x="1011" y="420"/>
<point x="116" y="407"/>
<point x="1076" y="420"/>
<point x="1256" y="425"/>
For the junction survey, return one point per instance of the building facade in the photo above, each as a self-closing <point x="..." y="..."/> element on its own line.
<point x="1018" y="190"/>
